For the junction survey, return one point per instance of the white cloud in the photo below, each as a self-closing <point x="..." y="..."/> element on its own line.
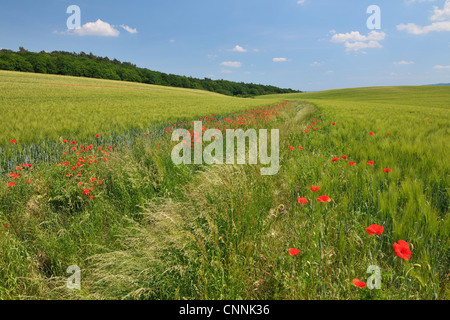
<point x="301" y="1"/>
<point x="129" y="29"/>
<point x="98" y="28"/>
<point x="441" y="68"/>
<point x="403" y="63"/>
<point x="279" y="59"/>
<point x="354" y="41"/>
<point x="415" y="1"/>
<point x="440" y="15"/>
<point x="233" y="64"/>
<point x="317" y="64"/>
<point x="412" y="28"/>
<point x="238" y="48"/>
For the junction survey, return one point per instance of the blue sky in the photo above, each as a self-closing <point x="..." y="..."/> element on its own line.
<point x="302" y="44"/>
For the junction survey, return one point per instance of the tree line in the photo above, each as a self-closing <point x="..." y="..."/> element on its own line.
<point x="91" y="66"/>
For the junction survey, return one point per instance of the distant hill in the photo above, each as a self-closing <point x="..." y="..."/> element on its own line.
<point x="91" y="66"/>
<point x="439" y="84"/>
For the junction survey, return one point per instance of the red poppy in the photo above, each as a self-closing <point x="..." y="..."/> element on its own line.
<point x="293" y="251"/>
<point x="374" y="228"/>
<point x="100" y="181"/>
<point x="402" y="249"/>
<point x="333" y="124"/>
<point x="302" y="200"/>
<point x="370" y="162"/>
<point x="371" y="133"/>
<point x="109" y="148"/>
<point x="13" y="141"/>
<point x="301" y="148"/>
<point x="74" y="168"/>
<point x="351" y="163"/>
<point x="29" y="181"/>
<point x="74" y="142"/>
<point x="86" y="192"/>
<point x="335" y="159"/>
<point x="80" y="183"/>
<point x="291" y="148"/>
<point x="68" y="175"/>
<point x="387" y="170"/>
<point x="313" y="188"/>
<point x="65" y="141"/>
<point x="344" y="157"/>
<point x="91" y="197"/>
<point x="324" y="199"/>
<point x="92" y="179"/>
<point x="359" y="284"/>
<point x="97" y="135"/>
<point x="11" y="184"/>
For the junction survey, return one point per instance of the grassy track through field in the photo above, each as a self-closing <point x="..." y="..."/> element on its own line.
<point x="140" y="227"/>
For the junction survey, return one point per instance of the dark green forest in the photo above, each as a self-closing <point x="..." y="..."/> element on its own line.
<point x="91" y="66"/>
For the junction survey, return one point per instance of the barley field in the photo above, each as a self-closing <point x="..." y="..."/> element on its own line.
<point x="363" y="184"/>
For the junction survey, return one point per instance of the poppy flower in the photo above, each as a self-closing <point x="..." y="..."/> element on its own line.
<point x="11" y="184"/>
<point x="387" y="170"/>
<point x="313" y="188"/>
<point x="335" y="159"/>
<point x="359" y="284"/>
<point x="100" y="181"/>
<point x="324" y="199"/>
<point x="92" y="179"/>
<point x="301" y="148"/>
<point x="97" y="135"/>
<point x="371" y="133"/>
<point x="302" y="200"/>
<point x="291" y="148"/>
<point x="333" y="123"/>
<point x="374" y="228"/>
<point x="74" y="142"/>
<point x="293" y="251"/>
<point x="74" y="168"/>
<point x="65" y="141"/>
<point x="351" y="163"/>
<point x="370" y="162"/>
<point x="109" y="148"/>
<point x="68" y="175"/>
<point x="344" y="157"/>
<point x="91" y="197"/>
<point x="86" y="192"/>
<point x="80" y="183"/>
<point x="402" y="249"/>
<point x="13" y="141"/>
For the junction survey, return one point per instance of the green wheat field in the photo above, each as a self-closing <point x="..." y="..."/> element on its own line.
<point x="87" y="180"/>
